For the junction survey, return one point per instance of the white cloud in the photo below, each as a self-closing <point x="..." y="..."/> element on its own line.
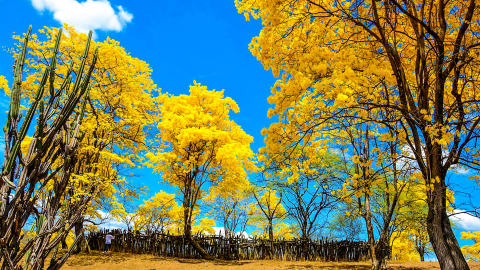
<point x="85" y="16"/>
<point x="5" y="103"/>
<point x="408" y="152"/>
<point x="461" y="170"/>
<point x="465" y="221"/>
<point x="109" y="223"/>
<point x="124" y="15"/>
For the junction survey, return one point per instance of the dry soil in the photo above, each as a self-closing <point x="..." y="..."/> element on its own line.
<point x="117" y="261"/>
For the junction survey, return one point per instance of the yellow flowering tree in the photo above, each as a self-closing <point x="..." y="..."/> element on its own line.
<point x="411" y="223"/>
<point x="204" y="226"/>
<point x="197" y="146"/>
<point x="378" y="177"/>
<point x="148" y="218"/>
<point x="158" y="213"/>
<point x="403" y="248"/>
<point x="307" y="187"/>
<point x="268" y="215"/>
<point x="230" y="207"/>
<point x="472" y="252"/>
<point x="305" y="182"/>
<point x="414" y="63"/>
<point x="344" y="226"/>
<point x="4" y="84"/>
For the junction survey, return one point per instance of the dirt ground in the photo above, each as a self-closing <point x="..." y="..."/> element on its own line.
<point x="117" y="261"/>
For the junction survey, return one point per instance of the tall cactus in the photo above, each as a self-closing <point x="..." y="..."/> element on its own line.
<point x="24" y="176"/>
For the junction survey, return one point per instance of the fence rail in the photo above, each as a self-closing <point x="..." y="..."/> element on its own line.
<point x="231" y="248"/>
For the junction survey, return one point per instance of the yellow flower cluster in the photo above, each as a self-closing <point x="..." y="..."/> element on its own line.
<point x="196" y="136"/>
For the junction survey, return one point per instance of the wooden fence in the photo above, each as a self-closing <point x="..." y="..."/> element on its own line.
<point x="231" y="248"/>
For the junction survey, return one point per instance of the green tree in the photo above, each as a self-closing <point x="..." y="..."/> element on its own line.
<point x="414" y="60"/>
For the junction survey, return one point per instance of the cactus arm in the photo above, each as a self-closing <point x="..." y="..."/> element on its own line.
<point x="72" y="103"/>
<point x="53" y="63"/>
<point x="6" y="128"/>
<point x="39" y="95"/>
<point x="84" y="60"/>
<point x="41" y="124"/>
<point x="66" y="82"/>
<point x="52" y="77"/>
<point x="84" y="104"/>
<point x="15" y="100"/>
<point x="26" y="124"/>
<point x="76" y="129"/>
<point x="17" y="82"/>
<point x="27" y="256"/>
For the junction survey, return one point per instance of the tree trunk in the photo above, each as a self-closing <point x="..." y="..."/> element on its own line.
<point x="199" y="249"/>
<point x="188" y="206"/>
<point x="379" y="264"/>
<point x="270" y="230"/>
<point x="420" y="247"/>
<point x="381" y="256"/>
<point x="376" y="249"/>
<point x="305" y="248"/>
<point x="421" y="251"/>
<point x="64" y="242"/>
<point x="228" y="236"/>
<point x="440" y="231"/>
<point x="270" y="237"/>
<point x="196" y="246"/>
<point x="82" y="244"/>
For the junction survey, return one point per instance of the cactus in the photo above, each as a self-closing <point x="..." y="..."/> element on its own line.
<point x="36" y="226"/>
<point x="17" y="82"/>
<point x="31" y="171"/>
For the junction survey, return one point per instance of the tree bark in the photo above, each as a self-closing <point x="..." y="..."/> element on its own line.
<point x="440" y="231"/>
<point x="303" y="228"/>
<point x="64" y="242"/>
<point x="196" y="246"/>
<point x="270" y="237"/>
<point x="305" y="248"/>
<point x="270" y="230"/>
<point x="376" y="249"/>
<point x="420" y="247"/>
<point x="82" y="244"/>
<point x="227" y="238"/>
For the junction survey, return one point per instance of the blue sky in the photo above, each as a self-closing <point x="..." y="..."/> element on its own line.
<point x="206" y="41"/>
